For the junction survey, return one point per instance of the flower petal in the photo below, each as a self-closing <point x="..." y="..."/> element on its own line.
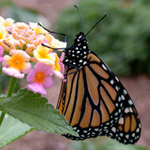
<point x="5" y="61"/>
<point x="59" y="74"/>
<point x="44" y="68"/>
<point x="20" y="52"/>
<point x="31" y="75"/>
<point x="48" y="82"/>
<point x="1" y="53"/>
<point x="26" y="69"/>
<point x="37" y="88"/>
<point x="13" y="72"/>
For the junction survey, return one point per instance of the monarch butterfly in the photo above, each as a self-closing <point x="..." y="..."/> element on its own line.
<point x="93" y="100"/>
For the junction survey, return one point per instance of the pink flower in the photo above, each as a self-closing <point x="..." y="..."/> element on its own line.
<point x="40" y="78"/>
<point x="61" y="63"/>
<point x="1" y="53"/>
<point x="16" y="65"/>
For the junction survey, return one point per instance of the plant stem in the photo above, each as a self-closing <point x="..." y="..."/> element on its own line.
<point x="10" y="91"/>
<point x="11" y="86"/>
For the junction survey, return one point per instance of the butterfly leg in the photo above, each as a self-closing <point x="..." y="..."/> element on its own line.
<point x="72" y="66"/>
<point x="66" y="37"/>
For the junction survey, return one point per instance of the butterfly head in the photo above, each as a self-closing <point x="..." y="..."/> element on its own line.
<point x="80" y="38"/>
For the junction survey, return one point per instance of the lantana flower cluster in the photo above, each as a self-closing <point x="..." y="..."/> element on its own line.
<point x="22" y="54"/>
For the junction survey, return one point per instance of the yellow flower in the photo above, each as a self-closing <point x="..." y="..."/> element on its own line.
<point x="6" y="22"/>
<point x="3" y="33"/>
<point x="58" y="44"/>
<point x="42" y="54"/>
<point x="38" y="29"/>
<point x="58" y="66"/>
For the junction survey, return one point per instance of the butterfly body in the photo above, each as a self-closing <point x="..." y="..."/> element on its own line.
<point x="93" y="100"/>
<point x="76" y="55"/>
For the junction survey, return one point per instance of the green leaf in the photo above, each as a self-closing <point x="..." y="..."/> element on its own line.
<point x="11" y="130"/>
<point x="33" y="109"/>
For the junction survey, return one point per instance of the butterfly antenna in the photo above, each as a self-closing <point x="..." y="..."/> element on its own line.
<point x="95" y="24"/>
<point x="79" y="17"/>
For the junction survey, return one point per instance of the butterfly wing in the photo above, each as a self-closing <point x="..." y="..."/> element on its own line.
<point x="128" y="128"/>
<point x="94" y="102"/>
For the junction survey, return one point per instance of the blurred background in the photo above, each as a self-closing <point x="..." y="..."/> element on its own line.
<point x="122" y="40"/>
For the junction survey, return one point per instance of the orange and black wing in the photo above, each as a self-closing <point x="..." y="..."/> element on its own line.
<point x="94" y="102"/>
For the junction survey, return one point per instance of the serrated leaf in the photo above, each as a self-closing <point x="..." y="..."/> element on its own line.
<point x="11" y="130"/>
<point x="33" y="109"/>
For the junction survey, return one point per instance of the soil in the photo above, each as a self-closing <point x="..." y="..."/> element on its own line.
<point x="138" y="87"/>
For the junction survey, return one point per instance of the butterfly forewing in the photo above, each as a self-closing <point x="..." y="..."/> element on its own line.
<point x="93" y="100"/>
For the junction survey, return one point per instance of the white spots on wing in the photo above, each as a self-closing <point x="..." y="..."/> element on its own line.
<point x="96" y="129"/>
<point x="121" y="134"/>
<point x="122" y="97"/>
<point x="131" y="110"/>
<point x="85" y="56"/>
<point x="127" y="110"/>
<point x="82" y="135"/>
<point x="125" y="92"/>
<point x="133" y="134"/>
<point x="116" y="118"/>
<point x="125" y="141"/>
<point x="121" y="121"/>
<point x="119" y="110"/>
<point x="84" y="131"/>
<point x="121" y="104"/>
<point x="137" y="130"/>
<point x="116" y="78"/>
<point x="127" y="136"/>
<point x="93" y="133"/>
<point x="117" y="88"/>
<point x="119" y="138"/>
<point x="110" y="134"/>
<point x="104" y="67"/>
<point x="112" y="82"/>
<point x="130" y="102"/>
<point x="74" y="128"/>
<point x="119" y="99"/>
<point x="116" y="114"/>
<point x="85" y="62"/>
<point x="113" y="129"/>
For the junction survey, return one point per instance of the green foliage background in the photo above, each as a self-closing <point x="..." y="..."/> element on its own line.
<point x="103" y="143"/>
<point x="122" y="39"/>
